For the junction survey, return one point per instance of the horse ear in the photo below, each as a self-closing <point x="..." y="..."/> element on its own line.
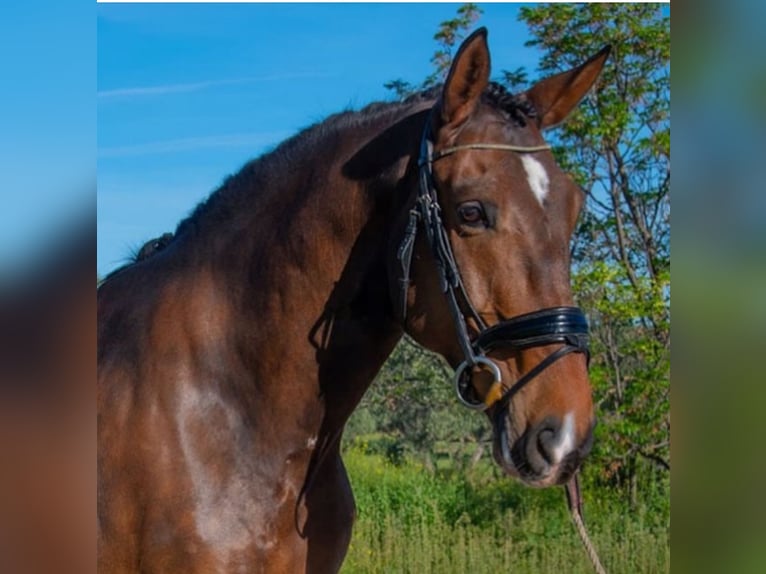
<point x="467" y="78"/>
<point x="555" y="97"/>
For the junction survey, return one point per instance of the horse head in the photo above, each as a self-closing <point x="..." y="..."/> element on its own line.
<point x="484" y="262"/>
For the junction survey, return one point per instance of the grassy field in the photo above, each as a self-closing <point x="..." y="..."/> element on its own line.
<point x="413" y="520"/>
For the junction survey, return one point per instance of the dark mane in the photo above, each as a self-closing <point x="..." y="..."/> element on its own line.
<point x="260" y="173"/>
<point x="515" y="106"/>
<point x="268" y="168"/>
<point x="277" y="166"/>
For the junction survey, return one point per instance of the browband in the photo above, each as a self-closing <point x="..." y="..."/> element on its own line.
<point x="501" y="147"/>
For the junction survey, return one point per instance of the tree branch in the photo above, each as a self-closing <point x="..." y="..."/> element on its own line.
<point x="656" y="459"/>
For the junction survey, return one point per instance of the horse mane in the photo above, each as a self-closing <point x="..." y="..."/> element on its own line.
<point x="516" y="107"/>
<point x="258" y="173"/>
<point x="152" y="246"/>
<point x="236" y="189"/>
<point x="274" y="166"/>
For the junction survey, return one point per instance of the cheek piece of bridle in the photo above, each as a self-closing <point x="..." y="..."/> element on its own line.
<point x="553" y="325"/>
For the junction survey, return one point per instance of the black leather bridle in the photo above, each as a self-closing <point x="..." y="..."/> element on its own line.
<point x="563" y="325"/>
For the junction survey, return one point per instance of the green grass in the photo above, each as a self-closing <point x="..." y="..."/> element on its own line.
<point x="412" y="520"/>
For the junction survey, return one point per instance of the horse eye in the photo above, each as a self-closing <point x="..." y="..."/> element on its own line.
<point x="471" y="213"/>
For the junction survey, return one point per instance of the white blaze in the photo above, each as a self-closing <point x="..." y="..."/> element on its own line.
<point x="537" y="177"/>
<point x="566" y="440"/>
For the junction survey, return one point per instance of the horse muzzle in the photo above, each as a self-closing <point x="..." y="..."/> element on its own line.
<point x="545" y="454"/>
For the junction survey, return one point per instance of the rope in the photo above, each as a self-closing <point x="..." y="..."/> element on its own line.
<point x="574" y="501"/>
<point x="591" y="551"/>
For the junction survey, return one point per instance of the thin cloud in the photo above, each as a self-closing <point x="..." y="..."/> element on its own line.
<point x="142" y="91"/>
<point x="258" y="139"/>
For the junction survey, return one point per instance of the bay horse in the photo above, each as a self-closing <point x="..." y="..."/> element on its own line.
<point x="231" y="355"/>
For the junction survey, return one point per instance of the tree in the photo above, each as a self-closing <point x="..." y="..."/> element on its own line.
<point x="617" y="146"/>
<point x="412" y="404"/>
<point x="449" y="34"/>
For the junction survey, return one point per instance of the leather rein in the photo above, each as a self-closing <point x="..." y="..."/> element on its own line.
<point x="564" y="325"/>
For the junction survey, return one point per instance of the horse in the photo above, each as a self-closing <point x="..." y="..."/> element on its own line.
<point x="230" y="359"/>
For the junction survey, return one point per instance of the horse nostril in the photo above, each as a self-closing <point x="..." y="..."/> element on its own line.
<point x="539" y="446"/>
<point x="555" y="438"/>
<point x="546" y="444"/>
<point x="549" y="444"/>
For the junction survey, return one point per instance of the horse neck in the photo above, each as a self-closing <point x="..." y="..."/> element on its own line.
<point x="306" y="274"/>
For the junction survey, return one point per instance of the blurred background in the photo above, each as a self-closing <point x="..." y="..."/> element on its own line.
<point x="47" y="296"/>
<point x="719" y="290"/>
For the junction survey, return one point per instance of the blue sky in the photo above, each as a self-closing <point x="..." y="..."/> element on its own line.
<point x="188" y="92"/>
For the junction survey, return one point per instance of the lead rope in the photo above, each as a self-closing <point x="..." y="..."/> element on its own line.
<point x="574" y="501"/>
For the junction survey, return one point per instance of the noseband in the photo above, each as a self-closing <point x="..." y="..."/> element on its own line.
<point x="553" y="325"/>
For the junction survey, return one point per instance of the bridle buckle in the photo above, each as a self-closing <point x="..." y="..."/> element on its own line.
<point x="463" y="387"/>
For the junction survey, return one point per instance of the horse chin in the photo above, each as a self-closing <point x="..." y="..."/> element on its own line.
<point x="504" y="439"/>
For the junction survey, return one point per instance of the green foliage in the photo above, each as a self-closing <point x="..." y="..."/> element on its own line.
<point x="616" y="145"/>
<point x="516" y="80"/>
<point x="400" y="88"/>
<point x="447" y="37"/>
<point x="629" y="369"/>
<point x="413" y="520"/>
<point x="413" y="408"/>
